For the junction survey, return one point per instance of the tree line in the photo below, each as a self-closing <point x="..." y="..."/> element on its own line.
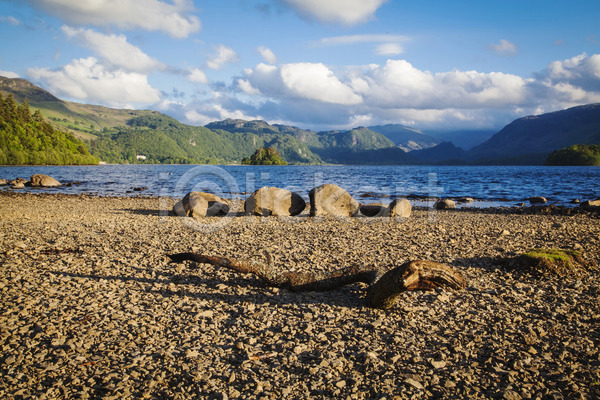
<point x="27" y="139"/>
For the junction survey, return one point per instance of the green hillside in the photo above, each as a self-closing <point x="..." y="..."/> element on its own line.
<point x="26" y="138"/>
<point x="578" y="154"/>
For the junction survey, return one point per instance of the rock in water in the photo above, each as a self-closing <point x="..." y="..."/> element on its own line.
<point x="400" y="208"/>
<point x="537" y="200"/>
<point x="201" y="204"/>
<point x="330" y="199"/>
<point x="41" y="180"/>
<point x="445" y="204"/>
<point x="274" y="201"/>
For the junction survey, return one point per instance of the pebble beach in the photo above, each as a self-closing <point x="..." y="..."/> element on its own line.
<point x="90" y="308"/>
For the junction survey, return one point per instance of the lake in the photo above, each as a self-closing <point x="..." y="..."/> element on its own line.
<point x="490" y="185"/>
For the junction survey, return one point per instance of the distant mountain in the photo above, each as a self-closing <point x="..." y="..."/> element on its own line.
<point x="356" y="146"/>
<point x="464" y="138"/>
<point x="408" y="139"/>
<point x="531" y="139"/>
<point x="444" y="153"/>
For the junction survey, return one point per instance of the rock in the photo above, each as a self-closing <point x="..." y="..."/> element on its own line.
<point x="373" y="209"/>
<point x="590" y="204"/>
<point x="465" y="200"/>
<point x="41" y="180"/>
<point x="330" y="199"/>
<point x="3" y="182"/>
<point x="537" y="200"/>
<point x="400" y="208"/>
<point x="575" y="201"/>
<point x="139" y="188"/>
<point x="17" y="185"/>
<point x="445" y="204"/>
<point x="201" y="204"/>
<point x="274" y="201"/>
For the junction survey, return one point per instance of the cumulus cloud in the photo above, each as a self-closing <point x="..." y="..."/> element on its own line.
<point x="504" y="48"/>
<point x="9" y="74"/>
<point x="222" y="55"/>
<point x="267" y="55"/>
<point x="114" y="49"/>
<point x="346" y="12"/>
<point x="308" y="81"/>
<point x="153" y="15"/>
<point x="90" y="81"/>
<point x="197" y="76"/>
<point x="573" y="81"/>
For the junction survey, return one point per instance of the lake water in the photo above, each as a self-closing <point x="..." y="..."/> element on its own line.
<point x="490" y="185"/>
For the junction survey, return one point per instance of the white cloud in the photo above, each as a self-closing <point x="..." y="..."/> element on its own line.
<point x="389" y="49"/>
<point x="572" y="81"/>
<point x="317" y="82"/>
<point x="153" y="15"/>
<point x="223" y="55"/>
<point x="504" y="48"/>
<point x="307" y="81"/>
<point x="267" y="55"/>
<point x="114" y="49"/>
<point x="247" y="87"/>
<point x="9" y="74"/>
<point x="347" y="12"/>
<point x="197" y="76"/>
<point x="88" y="80"/>
<point x="10" y="20"/>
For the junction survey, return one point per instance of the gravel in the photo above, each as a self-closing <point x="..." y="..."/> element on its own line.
<point x="90" y="307"/>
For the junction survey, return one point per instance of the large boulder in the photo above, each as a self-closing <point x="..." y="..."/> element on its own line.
<point x="373" y="209"/>
<point x="400" y="208"/>
<point x="445" y="204"/>
<point x="330" y="199"/>
<point x="274" y="201"/>
<point x="41" y="180"/>
<point x="201" y="204"/>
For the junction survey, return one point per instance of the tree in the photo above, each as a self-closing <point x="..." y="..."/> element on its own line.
<point x="262" y="156"/>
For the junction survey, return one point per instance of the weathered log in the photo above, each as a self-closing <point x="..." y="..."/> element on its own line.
<point x="384" y="287"/>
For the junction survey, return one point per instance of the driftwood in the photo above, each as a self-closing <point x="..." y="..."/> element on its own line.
<point x="384" y="287"/>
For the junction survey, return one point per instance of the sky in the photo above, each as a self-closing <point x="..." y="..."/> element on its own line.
<point x="315" y="64"/>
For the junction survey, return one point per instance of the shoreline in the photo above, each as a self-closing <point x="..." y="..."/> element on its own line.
<point x="90" y="307"/>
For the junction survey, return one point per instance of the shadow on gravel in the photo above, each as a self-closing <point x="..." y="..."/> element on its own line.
<point x="252" y="290"/>
<point x="489" y="263"/>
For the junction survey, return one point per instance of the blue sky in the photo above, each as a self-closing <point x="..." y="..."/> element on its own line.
<point x="316" y="64"/>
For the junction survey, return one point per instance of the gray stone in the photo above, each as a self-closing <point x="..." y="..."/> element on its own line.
<point x="373" y="209"/>
<point x="274" y="201"/>
<point x="400" y="208"/>
<point x="330" y="199"/>
<point x="201" y="204"/>
<point x="445" y="204"/>
<point x="537" y="200"/>
<point x="590" y="204"/>
<point x="41" y="180"/>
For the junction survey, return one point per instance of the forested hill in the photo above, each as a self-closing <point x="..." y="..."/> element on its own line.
<point x="26" y="138"/>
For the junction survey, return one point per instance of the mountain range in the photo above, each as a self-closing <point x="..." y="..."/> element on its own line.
<point x="119" y="136"/>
